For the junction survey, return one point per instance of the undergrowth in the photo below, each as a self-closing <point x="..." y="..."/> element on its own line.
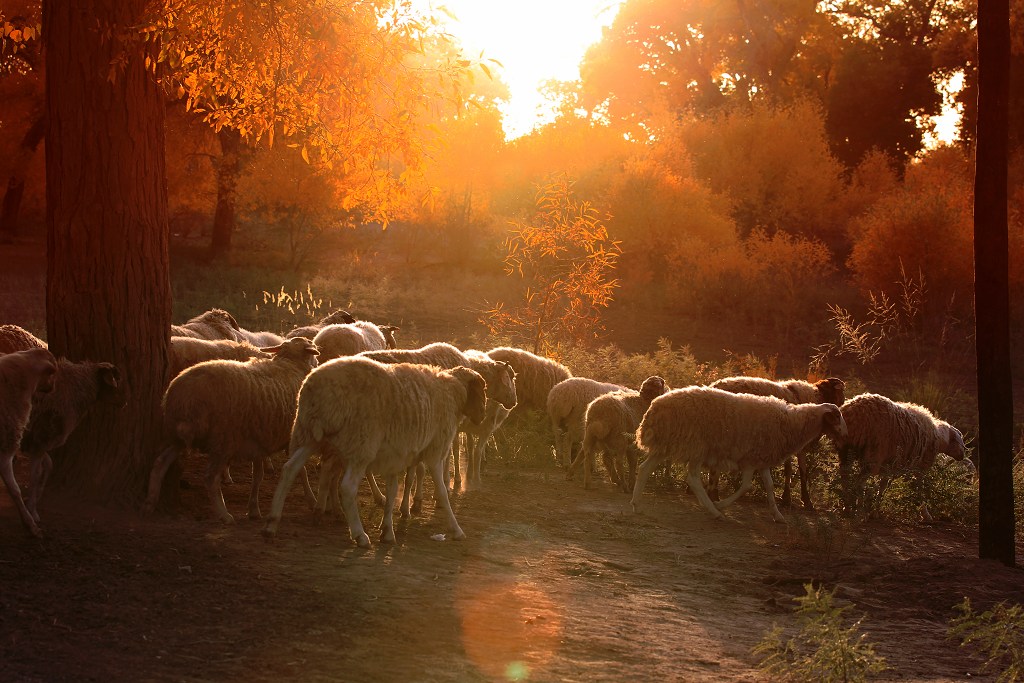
<point x="998" y="632"/>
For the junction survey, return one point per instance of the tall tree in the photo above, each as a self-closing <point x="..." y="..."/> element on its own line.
<point x="991" y="286"/>
<point x="107" y="284"/>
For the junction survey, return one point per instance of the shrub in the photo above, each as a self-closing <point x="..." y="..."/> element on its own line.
<point x="999" y="632"/>
<point x="822" y="649"/>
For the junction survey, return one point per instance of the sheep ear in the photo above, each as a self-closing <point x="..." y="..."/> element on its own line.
<point x="270" y="349"/>
<point x="110" y="375"/>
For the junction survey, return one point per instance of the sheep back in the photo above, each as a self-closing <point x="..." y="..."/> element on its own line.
<point x="213" y="324"/>
<point x="349" y="339"/>
<point x="14" y="338"/>
<point x="188" y="351"/>
<point x="22" y="373"/>
<point x="567" y="401"/>
<point x="438" y="354"/>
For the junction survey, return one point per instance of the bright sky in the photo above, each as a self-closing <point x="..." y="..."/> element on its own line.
<point x="535" y="41"/>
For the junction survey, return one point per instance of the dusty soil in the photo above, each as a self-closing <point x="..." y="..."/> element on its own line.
<point x="554" y="583"/>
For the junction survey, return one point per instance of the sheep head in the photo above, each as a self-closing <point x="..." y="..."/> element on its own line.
<point x="832" y="422"/>
<point x="389" y="335"/>
<point x="831" y="390"/>
<point x="338" y="316"/>
<point x="952" y="441"/>
<point x="43" y="365"/>
<point x="296" y="349"/>
<point x="476" y="393"/>
<point x="652" y="388"/>
<point x="111" y="385"/>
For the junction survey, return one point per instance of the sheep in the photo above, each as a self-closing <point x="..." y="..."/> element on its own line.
<point x="502" y="398"/>
<point x="22" y="374"/>
<point x="309" y="331"/>
<point x="14" y="338"/>
<point x="567" y="407"/>
<point x="231" y="409"/>
<point x="260" y="338"/>
<point x="213" y="324"/>
<point x="611" y="423"/>
<point x="829" y="390"/>
<point x="702" y="426"/>
<point x="535" y="375"/>
<point x="77" y="387"/>
<point x="188" y="351"/>
<point x="363" y="415"/>
<point x="349" y="339"/>
<point x="889" y="439"/>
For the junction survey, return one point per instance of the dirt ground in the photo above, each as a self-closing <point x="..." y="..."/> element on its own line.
<point x="553" y="583"/>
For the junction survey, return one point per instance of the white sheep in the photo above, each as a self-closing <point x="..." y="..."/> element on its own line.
<point x="701" y="426"/>
<point x="22" y="374"/>
<point x="185" y="352"/>
<point x="535" y="375"/>
<point x="309" y="331"/>
<point x="230" y="409"/>
<point x="365" y="416"/>
<point x="502" y="398"/>
<point x="611" y="423"/>
<point x="260" y="339"/>
<point x="830" y="390"/>
<point x="14" y="338"/>
<point x="567" y="407"/>
<point x="889" y="439"/>
<point x="77" y="388"/>
<point x="337" y="340"/>
<point x="213" y="324"/>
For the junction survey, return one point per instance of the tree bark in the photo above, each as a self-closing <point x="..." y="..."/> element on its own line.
<point x="991" y="286"/>
<point x="228" y="170"/>
<point x="108" y="285"/>
<point x="11" y="207"/>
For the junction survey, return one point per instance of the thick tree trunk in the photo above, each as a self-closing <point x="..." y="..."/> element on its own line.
<point x="991" y="286"/>
<point x="228" y="169"/>
<point x="107" y="287"/>
<point x="10" y="209"/>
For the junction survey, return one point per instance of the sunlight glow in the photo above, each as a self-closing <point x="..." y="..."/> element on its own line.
<point x="535" y="41"/>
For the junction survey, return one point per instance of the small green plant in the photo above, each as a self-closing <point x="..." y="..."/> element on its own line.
<point x="999" y="632"/>
<point x="823" y="649"/>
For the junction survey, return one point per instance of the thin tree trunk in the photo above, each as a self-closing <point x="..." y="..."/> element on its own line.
<point x="10" y="209"/>
<point x="991" y="286"/>
<point x="228" y="170"/>
<point x="107" y="286"/>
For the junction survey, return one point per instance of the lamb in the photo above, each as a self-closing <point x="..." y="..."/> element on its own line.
<point x="77" y="387"/>
<point x="309" y="331"/>
<point x="889" y="439"/>
<point x="335" y="341"/>
<point x="213" y="324"/>
<point x="22" y="374"/>
<point x="829" y="390"/>
<point x="535" y="375"/>
<point x="567" y="407"/>
<point x="231" y="409"/>
<point x="363" y="415"/>
<point x="702" y="426"/>
<point x="14" y="338"/>
<point x="611" y="423"/>
<point x="188" y="351"/>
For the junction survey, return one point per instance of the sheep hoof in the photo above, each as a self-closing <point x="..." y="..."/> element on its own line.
<point x="270" y="530"/>
<point x="363" y="541"/>
<point x="779" y="518"/>
<point x="255" y="515"/>
<point x="417" y="507"/>
<point x="35" y="531"/>
<point x="228" y="519"/>
<point x="387" y="537"/>
<point x="458" y="535"/>
<point x="148" y="508"/>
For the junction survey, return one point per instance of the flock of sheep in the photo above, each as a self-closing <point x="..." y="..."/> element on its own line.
<point x="341" y="390"/>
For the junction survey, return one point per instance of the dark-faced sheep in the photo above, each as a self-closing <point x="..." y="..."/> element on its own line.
<point x="233" y="410"/>
<point x="889" y="439"/>
<point x="22" y="374"/>
<point x="705" y="427"/>
<point x="362" y="416"/>
<point x="611" y="424"/>
<point x="831" y="390"/>
<point x="336" y="317"/>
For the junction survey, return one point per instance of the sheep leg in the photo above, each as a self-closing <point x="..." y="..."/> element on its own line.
<point x="456" y="448"/>
<point x="387" y="525"/>
<point x="350" y="503"/>
<point x="641" y="480"/>
<point x="713" y="480"/>
<point x="337" y="471"/>
<point x="42" y="465"/>
<point x="214" y="473"/>
<point x="156" y="477"/>
<point x="7" y="473"/>
<point x="254" y="491"/>
<point x="410" y="475"/>
<point x="441" y="493"/>
<point x="421" y="476"/>
<point x="745" y="483"/>
<point x="296" y="462"/>
<point x="787" y="482"/>
<point x="769" y="487"/>
<point x="631" y="459"/>
<point x="324" y="488"/>
<point x="307" y="490"/>
<point x="803" y="467"/>
<point x="378" y="497"/>
<point x="693" y="479"/>
<point x="575" y="465"/>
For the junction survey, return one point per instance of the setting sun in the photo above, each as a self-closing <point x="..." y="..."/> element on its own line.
<point x="536" y="41"/>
